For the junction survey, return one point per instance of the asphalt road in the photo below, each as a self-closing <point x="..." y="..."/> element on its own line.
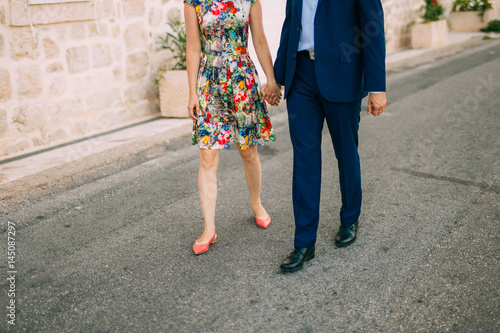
<point x="114" y="254"/>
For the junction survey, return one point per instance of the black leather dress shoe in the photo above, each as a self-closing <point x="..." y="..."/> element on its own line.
<point x="295" y="261"/>
<point x="347" y="234"/>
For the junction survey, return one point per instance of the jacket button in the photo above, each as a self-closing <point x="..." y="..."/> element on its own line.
<point x="298" y="29"/>
<point x="295" y="55"/>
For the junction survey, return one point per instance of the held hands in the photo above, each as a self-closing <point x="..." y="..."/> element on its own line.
<point x="271" y="92"/>
<point x="377" y="103"/>
<point x="193" y="104"/>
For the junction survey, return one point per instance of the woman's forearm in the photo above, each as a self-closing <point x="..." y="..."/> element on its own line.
<point x="260" y="41"/>
<point x="265" y="59"/>
<point x="193" y="65"/>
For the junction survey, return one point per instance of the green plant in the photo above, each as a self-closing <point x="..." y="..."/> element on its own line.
<point x="432" y="11"/>
<point x="175" y="41"/>
<point x="493" y="26"/>
<point x="480" y="6"/>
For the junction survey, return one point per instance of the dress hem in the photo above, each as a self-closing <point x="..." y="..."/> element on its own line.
<point x="228" y="146"/>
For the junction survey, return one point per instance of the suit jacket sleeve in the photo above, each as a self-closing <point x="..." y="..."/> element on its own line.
<point x="371" y="18"/>
<point x="280" y="63"/>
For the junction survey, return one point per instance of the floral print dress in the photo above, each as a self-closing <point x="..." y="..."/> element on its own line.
<point x="228" y="85"/>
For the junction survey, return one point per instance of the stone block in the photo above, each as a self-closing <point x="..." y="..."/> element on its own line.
<point x="61" y="110"/>
<point x="155" y="16"/>
<point x="2" y="46"/>
<point x="56" y="135"/>
<point x="94" y="32"/>
<point x="55" y="67"/>
<point x="79" y="129"/>
<point x="142" y="109"/>
<point x="29" y="81"/>
<point x="136" y="36"/>
<point x="174" y="14"/>
<point x="57" y="85"/>
<point x="61" y="32"/>
<point x="2" y="14"/>
<point x="22" y="44"/>
<point x="108" y="9"/>
<point x="117" y="73"/>
<point x="78" y="59"/>
<point x="137" y="65"/>
<point x="38" y="141"/>
<point x="5" y="86"/>
<point x="104" y="99"/>
<point x="4" y="125"/>
<point x="101" y="55"/>
<point x="50" y="13"/>
<point x="92" y="82"/>
<point x="117" y="51"/>
<point x="51" y="48"/>
<point x="112" y="118"/>
<point x="78" y="31"/>
<point x="116" y="30"/>
<point x="135" y="93"/>
<point x="16" y="146"/>
<point x="133" y="8"/>
<point x="29" y="117"/>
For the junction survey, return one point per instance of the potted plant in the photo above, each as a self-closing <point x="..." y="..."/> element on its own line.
<point x="172" y="79"/>
<point x="470" y="15"/>
<point x="433" y="31"/>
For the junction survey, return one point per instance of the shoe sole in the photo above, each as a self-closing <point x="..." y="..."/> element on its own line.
<point x="291" y="270"/>
<point x="346" y="244"/>
<point x="198" y="253"/>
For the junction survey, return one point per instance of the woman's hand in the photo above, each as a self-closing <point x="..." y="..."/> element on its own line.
<point x="271" y="92"/>
<point x="193" y="104"/>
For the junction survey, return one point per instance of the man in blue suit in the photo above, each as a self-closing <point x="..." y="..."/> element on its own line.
<point x="331" y="56"/>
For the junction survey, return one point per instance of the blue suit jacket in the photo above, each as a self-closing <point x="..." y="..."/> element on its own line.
<point x="349" y="45"/>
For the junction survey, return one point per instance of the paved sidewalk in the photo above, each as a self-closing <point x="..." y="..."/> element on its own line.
<point x="37" y="169"/>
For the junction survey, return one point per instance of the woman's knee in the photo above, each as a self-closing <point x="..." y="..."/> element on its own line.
<point x="209" y="159"/>
<point x="249" y="155"/>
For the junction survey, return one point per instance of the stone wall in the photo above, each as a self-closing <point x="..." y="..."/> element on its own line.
<point x="78" y="78"/>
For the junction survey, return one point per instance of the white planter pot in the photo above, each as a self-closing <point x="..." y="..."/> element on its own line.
<point x="174" y="94"/>
<point x="424" y="35"/>
<point x="470" y="21"/>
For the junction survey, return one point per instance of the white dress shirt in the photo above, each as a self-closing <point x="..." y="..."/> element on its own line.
<point x="306" y="41"/>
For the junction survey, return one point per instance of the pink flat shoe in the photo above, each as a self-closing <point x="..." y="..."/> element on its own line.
<point x="263" y="223"/>
<point x="202" y="248"/>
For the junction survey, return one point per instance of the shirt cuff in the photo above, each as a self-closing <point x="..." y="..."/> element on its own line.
<point x="377" y="92"/>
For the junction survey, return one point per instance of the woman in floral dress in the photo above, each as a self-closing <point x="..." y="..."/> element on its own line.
<point x="225" y="98"/>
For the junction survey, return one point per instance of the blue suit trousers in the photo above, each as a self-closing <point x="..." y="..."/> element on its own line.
<point x="307" y="110"/>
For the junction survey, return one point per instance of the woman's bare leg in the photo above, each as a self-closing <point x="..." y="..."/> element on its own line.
<point x="207" y="188"/>
<point x="253" y="175"/>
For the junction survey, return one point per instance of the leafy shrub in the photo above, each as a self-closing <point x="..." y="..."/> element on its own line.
<point x="493" y="26"/>
<point x="176" y="43"/>
<point x="432" y="11"/>
<point x="480" y="6"/>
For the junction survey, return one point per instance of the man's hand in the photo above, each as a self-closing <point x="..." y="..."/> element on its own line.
<point x="377" y="103"/>
<point x="271" y="92"/>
